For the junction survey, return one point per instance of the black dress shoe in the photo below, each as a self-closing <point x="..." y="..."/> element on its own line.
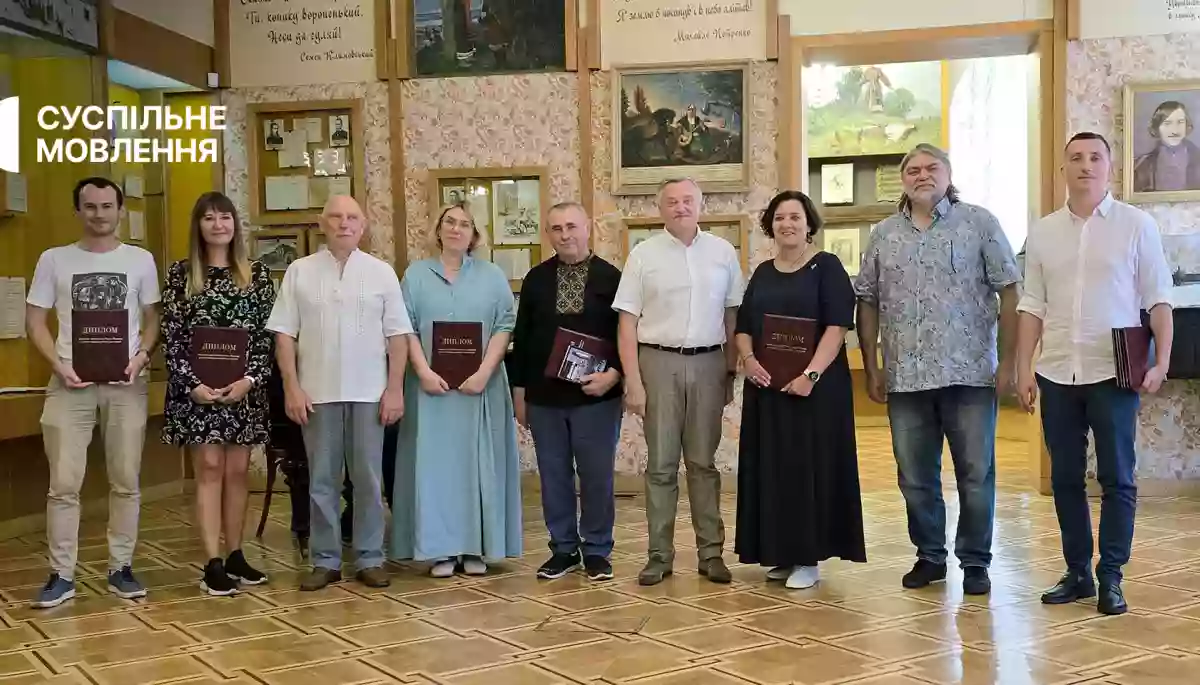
<point x="923" y="573"/>
<point x="976" y="581"/>
<point x="1112" y="600"/>
<point x="1073" y="586"/>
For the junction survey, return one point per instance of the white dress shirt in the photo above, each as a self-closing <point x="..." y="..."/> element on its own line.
<point x="680" y="292"/>
<point x="341" y="322"/>
<point x="1085" y="277"/>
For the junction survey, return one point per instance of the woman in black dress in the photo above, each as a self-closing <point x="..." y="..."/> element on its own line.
<point x="798" y="492"/>
<point x="218" y="286"/>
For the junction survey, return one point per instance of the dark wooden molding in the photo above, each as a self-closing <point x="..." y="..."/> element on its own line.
<point x="152" y="47"/>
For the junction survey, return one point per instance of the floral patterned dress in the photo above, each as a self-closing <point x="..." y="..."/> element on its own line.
<point x="221" y="303"/>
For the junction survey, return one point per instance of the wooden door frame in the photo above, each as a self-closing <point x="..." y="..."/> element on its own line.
<point x="1045" y="38"/>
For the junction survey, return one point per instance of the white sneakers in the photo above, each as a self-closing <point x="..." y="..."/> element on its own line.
<point x="797" y="577"/>
<point x="472" y="566"/>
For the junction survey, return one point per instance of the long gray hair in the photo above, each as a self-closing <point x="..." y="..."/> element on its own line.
<point x="938" y="154"/>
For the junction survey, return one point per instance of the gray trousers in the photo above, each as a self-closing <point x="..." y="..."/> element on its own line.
<point x="685" y="398"/>
<point x="346" y="434"/>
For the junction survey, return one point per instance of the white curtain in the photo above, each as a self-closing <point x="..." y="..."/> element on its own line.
<point x="989" y="138"/>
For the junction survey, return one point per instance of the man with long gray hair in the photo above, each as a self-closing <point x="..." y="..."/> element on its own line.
<point x="929" y="283"/>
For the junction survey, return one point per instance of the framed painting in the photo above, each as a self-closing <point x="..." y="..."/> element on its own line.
<point x="1162" y="149"/>
<point x="683" y="121"/>
<point x="277" y="248"/>
<point x="875" y="109"/>
<point x="846" y="245"/>
<point x="473" y="37"/>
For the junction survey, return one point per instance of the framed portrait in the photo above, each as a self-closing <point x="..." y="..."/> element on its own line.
<point x="277" y="248"/>
<point x="339" y="130"/>
<point x="1162" y="147"/>
<point x="875" y="109"/>
<point x="683" y="121"/>
<point x="453" y="195"/>
<point x="273" y="134"/>
<point x="845" y="242"/>
<point x="472" y="37"/>
<point x="837" y="184"/>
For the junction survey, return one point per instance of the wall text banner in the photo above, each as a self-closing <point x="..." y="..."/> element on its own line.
<point x="301" y="42"/>
<point x="1123" y="18"/>
<point x="648" y="32"/>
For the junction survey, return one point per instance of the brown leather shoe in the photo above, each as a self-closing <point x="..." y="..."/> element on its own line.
<point x="715" y="570"/>
<point x="373" y="577"/>
<point x="654" y="572"/>
<point x="319" y="579"/>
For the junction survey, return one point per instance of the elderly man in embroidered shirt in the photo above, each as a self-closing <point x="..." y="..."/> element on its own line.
<point x="1094" y="265"/>
<point x="929" y="283"/>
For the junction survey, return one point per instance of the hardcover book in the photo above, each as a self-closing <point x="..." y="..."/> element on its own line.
<point x="100" y="344"/>
<point x="786" y="347"/>
<point x="1131" y="354"/>
<point x="576" y="355"/>
<point x="457" y="350"/>
<point x="219" y="355"/>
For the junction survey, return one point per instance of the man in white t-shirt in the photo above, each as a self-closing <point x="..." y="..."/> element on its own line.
<point x="678" y="301"/>
<point x="340" y="325"/>
<point x="98" y="272"/>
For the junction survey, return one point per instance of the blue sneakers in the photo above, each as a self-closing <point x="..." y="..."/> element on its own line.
<point x="124" y="585"/>
<point x="56" y="591"/>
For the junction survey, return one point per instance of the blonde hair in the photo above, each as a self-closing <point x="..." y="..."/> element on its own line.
<point x="239" y="260"/>
<point x="476" y="235"/>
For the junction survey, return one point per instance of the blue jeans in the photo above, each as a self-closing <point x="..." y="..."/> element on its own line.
<point x="346" y="434"/>
<point x="580" y="438"/>
<point x="1068" y="411"/>
<point x="966" y="418"/>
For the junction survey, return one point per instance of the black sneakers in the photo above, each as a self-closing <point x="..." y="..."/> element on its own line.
<point x="923" y="573"/>
<point x="239" y="569"/>
<point x="976" y="581"/>
<point x="558" y="566"/>
<point x="216" y="581"/>
<point x="597" y="567"/>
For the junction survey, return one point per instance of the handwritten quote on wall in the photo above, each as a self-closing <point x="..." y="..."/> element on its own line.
<point x="301" y="42"/>
<point x="646" y="32"/>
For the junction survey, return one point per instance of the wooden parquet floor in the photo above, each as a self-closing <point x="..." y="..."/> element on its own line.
<point x="857" y="626"/>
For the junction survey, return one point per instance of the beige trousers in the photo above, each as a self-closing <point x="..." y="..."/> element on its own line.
<point x="685" y="397"/>
<point x="68" y="421"/>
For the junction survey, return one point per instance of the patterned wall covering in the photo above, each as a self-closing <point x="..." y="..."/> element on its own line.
<point x="379" y="157"/>
<point x="1168" y="441"/>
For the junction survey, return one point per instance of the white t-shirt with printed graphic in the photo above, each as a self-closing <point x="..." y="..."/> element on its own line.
<point x="69" y="277"/>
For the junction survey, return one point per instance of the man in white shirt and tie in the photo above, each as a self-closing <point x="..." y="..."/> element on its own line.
<point x="1092" y="266"/>
<point x="340" y="325"/>
<point x="678" y="301"/>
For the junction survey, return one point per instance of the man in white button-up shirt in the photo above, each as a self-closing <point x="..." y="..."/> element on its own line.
<point x="340" y="325"/>
<point x="678" y="301"/>
<point x="1090" y="267"/>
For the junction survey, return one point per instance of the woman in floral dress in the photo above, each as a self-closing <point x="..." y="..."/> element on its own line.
<point x="217" y="285"/>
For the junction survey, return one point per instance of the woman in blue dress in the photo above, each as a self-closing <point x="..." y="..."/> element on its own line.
<point x="457" y="493"/>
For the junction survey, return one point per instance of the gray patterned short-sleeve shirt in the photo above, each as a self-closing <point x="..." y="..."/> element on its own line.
<point x="937" y="294"/>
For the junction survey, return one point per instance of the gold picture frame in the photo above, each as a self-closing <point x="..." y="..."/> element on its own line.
<point x="1152" y="110"/>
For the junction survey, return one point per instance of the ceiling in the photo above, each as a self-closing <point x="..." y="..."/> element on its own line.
<point x="138" y="78"/>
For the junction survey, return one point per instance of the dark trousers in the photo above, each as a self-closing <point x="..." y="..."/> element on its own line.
<point x="920" y="422"/>
<point x="1068" y="411"/>
<point x="568" y="440"/>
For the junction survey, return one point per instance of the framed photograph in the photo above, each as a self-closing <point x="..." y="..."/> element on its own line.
<point x="277" y="248"/>
<point x="273" y="134"/>
<point x="1162" y="148"/>
<point x="846" y="245"/>
<point x="837" y="184"/>
<point x="339" y="130"/>
<point x="453" y="195"/>
<point x="875" y="109"/>
<point x="470" y="37"/>
<point x="684" y="121"/>
<point x="516" y="211"/>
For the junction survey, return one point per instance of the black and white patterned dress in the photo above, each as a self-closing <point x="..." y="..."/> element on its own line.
<point x="221" y="303"/>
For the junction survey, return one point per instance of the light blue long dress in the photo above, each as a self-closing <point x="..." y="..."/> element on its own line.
<point x="457" y="489"/>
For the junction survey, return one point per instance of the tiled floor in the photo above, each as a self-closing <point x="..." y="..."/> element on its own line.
<point x="858" y="626"/>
